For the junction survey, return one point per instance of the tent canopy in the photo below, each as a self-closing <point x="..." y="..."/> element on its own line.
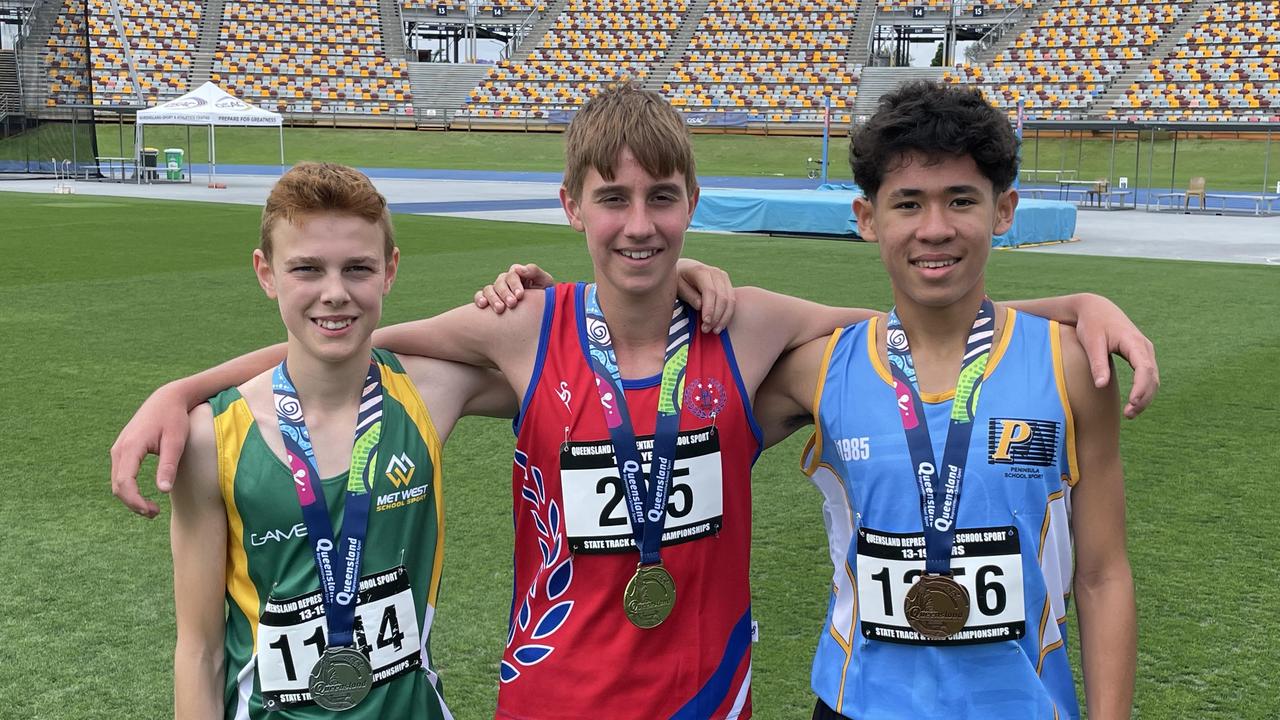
<point x="209" y="105"/>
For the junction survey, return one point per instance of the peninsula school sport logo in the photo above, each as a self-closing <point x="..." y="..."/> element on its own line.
<point x="1013" y="441"/>
<point x="400" y="471"/>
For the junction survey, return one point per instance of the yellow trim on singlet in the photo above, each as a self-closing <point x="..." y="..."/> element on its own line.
<point x="399" y="387"/>
<point x="1044" y="527"/>
<point x="1044" y="532"/>
<point x="848" y="649"/>
<point x="231" y="427"/>
<point x="815" y="440"/>
<point x="1044" y="623"/>
<point x="997" y="353"/>
<point x="1060" y="378"/>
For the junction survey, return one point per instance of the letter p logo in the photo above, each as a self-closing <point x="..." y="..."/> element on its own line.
<point x="1012" y="432"/>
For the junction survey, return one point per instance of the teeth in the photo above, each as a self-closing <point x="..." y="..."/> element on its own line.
<point x="638" y="254"/>
<point x="333" y="324"/>
<point x="934" y="264"/>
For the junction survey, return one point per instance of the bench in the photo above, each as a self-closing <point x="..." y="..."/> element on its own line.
<point x="1262" y="204"/>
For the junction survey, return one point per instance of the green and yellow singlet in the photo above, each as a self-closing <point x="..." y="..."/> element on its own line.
<point x="275" y="617"/>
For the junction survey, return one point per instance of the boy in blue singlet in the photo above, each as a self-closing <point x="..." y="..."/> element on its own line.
<point x="965" y="455"/>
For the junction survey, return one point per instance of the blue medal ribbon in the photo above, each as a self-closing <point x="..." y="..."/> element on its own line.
<point x="940" y="488"/>
<point x="339" y="571"/>
<point x="646" y="507"/>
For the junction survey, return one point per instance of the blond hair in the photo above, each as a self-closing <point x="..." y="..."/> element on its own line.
<point x="311" y="187"/>
<point x="625" y="116"/>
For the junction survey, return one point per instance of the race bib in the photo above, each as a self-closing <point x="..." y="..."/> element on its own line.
<point x="595" y="507"/>
<point x="986" y="561"/>
<point x="292" y="634"/>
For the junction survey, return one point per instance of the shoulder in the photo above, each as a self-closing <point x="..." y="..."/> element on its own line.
<point x="201" y="419"/>
<point x="1084" y="396"/>
<point x="763" y="319"/>
<point x="450" y="390"/>
<point x="198" y="469"/>
<point x="433" y="376"/>
<point x="257" y="394"/>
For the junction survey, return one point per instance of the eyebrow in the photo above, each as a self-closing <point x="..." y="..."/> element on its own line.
<point x="672" y="187"/>
<point x="950" y="190"/>
<point x="309" y="260"/>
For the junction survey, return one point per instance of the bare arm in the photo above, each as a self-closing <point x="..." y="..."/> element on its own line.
<point x="452" y="390"/>
<point x="766" y="324"/>
<point x="198" y="538"/>
<point x="784" y="402"/>
<point x="464" y="334"/>
<point x="1103" y="328"/>
<point x="160" y="426"/>
<point x="1103" y="581"/>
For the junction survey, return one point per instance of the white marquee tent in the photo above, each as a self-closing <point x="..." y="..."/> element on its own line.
<point x="211" y="106"/>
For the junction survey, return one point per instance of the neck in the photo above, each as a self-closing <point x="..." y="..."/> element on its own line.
<point x="636" y="322"/>
<point x="327" y="386"/>
<point x="939" y="330"/>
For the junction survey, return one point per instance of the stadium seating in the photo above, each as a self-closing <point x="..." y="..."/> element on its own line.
<point x="161" y="35"/>
<point x="771" y="60"/>
<point x="66" y="57"/>
<point x="1226" y="67"/>
<point x="591" y="43"/>
<point x="779" y="60"/>
<point x="309" y="57"/>
<point x="1059" y="65"/>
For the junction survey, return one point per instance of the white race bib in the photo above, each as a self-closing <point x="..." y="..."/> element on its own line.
<point x="986" y="561"/>
<point x="292" y="634"/>
<point x="595" y="507"/>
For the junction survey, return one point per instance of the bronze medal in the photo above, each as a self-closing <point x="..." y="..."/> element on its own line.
<point x="649" y="597"/>
<point x="340" y="679"/>
<point x="937" y="606"/>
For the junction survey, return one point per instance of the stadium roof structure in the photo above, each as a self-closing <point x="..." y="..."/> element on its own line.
<point x="210" y="106"/>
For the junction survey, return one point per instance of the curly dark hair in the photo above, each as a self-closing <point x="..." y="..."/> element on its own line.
<point x="934" y="119"/>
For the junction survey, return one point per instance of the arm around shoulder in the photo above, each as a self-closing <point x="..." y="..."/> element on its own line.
<point x="452" y="390"/>
<point x="1103" y="580"/>
<point x="786" y="399"/>
<point x="198" y="539"/>
<point x="470" y="335"/>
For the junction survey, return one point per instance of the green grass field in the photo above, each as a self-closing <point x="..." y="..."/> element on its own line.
<point x="1240" y="165"/>
<point x="103" y="299"/>
<point x="1227" y="164"/>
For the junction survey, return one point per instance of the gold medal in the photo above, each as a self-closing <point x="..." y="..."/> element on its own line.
<point x="649" y="596"/>
<point x="937" y="606"/>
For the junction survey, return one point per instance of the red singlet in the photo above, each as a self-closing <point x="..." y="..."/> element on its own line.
<point x="571" y="651"/>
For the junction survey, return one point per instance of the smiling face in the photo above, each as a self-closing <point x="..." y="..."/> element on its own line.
<point x="634" y="223"/>
<point x="934" y="220"/>
<point x="329" y="273"/>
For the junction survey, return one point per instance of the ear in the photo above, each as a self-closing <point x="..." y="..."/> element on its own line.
<point x="864" y="210"/>
<point x="572" y="210"/>
<point x="693" y="204"/>
<point x="1006" y="204"/>
<point x="393" y="264"/>
<point x="266" y="277"/>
